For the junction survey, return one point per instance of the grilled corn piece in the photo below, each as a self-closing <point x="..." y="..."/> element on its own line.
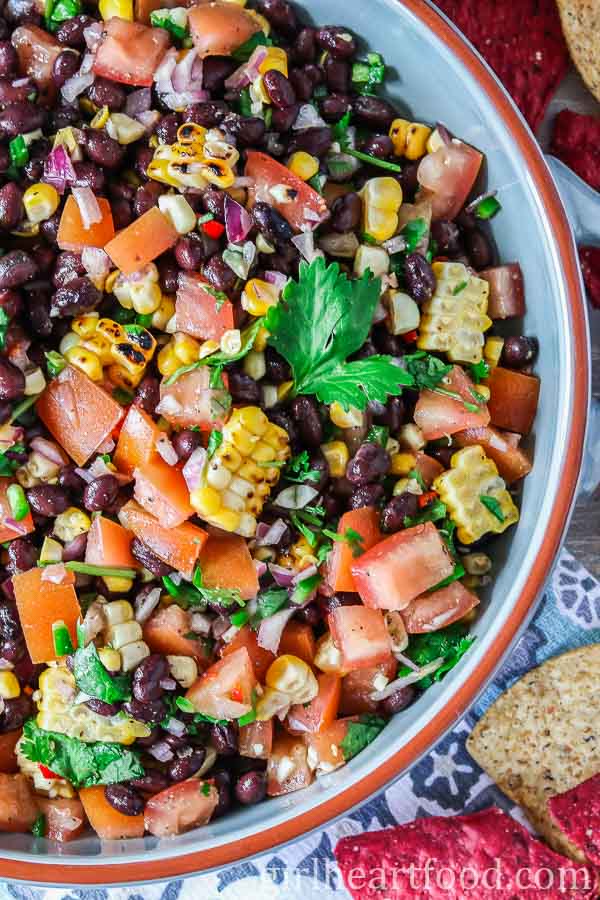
<point x="455" y="318"/>
<point x="288" y="680"/>
<point x="95" y="345"/>
<point x="476" y="496"/>
<point x="237" y="479"/>
<point x="123" y="635"/>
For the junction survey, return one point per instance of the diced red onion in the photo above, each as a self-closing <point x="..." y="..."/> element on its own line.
<point x="272" y="535"/>
<point x="443" y="132"/>
<point x="277" y="279"/>
<point x="5" y="665"/>
<point x="194" y="468"/>
<point x="249" y="71"/>
<point x="21" y="82"/>
<point x="296" y="496"/>
<point x="176" y="577"/>
<point x="238" y="220"/>
<point x="282" y="576"/>
<point x="15" y="526"/>
<point x="149" y="119"/>
<point x="58" y="169"/>
<point x="166" y="450"/>
<point x="95" y="262"/>
<point x="94" y="621"/>
<point x="168" y="684"/>
<point x="200" y="622"/>
<point x="145" y="606"/>
<point x="406" y="680"/>
<point x="260" y="566"/>
<point x="307" y="117"/>
<point x="138" y="102"/>
<point x="310" y="215"/>
<point x="305" y="243"/>
<point x="55" y="573"/>
<point x="84" y="474"/>
<point x="271" y="629"/>
<point x="219" y="626"/>
<point x="64" y="820"/>
<point x="308" y="572"/>
<point x="179" y="81"/>
<point x="229" y="635"/>
<point x="379" y="313"/>
<point x="88" y="206"/>
<point x="161" y="752"/>
<point x="49" y="450"/>
<point x="10" y="435"/>
<point x="92" y="35"/>
<point x="76" y="85"/>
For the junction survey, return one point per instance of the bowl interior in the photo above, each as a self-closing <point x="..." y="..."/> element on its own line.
<point x="431" y="83"/>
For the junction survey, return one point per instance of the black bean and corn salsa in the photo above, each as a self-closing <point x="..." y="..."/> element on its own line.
<point x="257" y="427"/>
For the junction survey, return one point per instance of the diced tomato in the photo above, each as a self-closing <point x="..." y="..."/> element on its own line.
<point x="137" y="441"/>
<point x="218" y="28"/>
<point x="142" y="241"/>
<point x="358" y="686"/>
<point x="507" y="294"/>
<point x="428" y="468"/>
<point x="65" y="819"/>
<point x="212" y="693"/>
<point x="7" y="531"/>
<point x="437" y="414"/>
<point x="513" y="463"/>
<point x="430" y="612"/>
<point x="361" y="636"/>
<point x="213" y="229"/>
<point x="338" y="569"/>
<point x="108" y="823"/>
<point x="18" y="809"/>
<point x="78" y="413"/>
<point x="178" y="547"/>
<point x="180" y="807"/>
<point x="109" y="544"/>
<point x="260" y="658"/>
<point x="320" y="712"/>
<point x="190" y="401"/>
<point x="514" y="399"/>
<point x="256" y="740"/>
<point x="37" y="50"/>
<point x="287" y="769"/>
<point x="325" y="747"/>
<point x="72" y="235"/>
<point x="130" y="53"/>
<point x="225" y="562"/>
<point x="298" y="639"/>
<point x="40" y="603"/>
<point x="162" y="491"/>
<point x="197" y="311"/>
<point x="447" y="175"/>
<point x="8" y="758"/>
<point x="398" y="569"/>
<point x="167" y="633"/>
<point x="267" y="173"/>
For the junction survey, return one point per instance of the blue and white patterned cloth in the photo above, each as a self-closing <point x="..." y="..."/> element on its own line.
<point x="445" y="782"/>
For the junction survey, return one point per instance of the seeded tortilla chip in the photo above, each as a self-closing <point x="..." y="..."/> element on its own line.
<point x="581" y="26"/>
<point x="576" y="140"/>
<point x="542" y="737"/>
<point x="589" y="257"/>
<point x="522" y="42"/>
<point x="577" y="813"/>
<point x="483" y="856"/>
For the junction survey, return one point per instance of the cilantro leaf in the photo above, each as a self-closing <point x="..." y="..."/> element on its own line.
<point x="298" y="469"/>
<point x="222" y="596"/>
<point x="214" y="442"/>
<point x="493" y="506"/>
<point x="92" y="677"/>
<point x="351" y="537"/>
<point x="84" y="765"/>
<point x="479" y="371"/>
<point x="360" y="734"/>
<point x="459" y="571"/>
<point x="268" y="603"/>
<point x="340" y="130"/>
<point x="427" y="371"/>
<point x="378" y="434"/>
<point x="432" y="513"/>
<point x="449" y="643"/>
<point x="220" y="359"/>
<point x="4" y="323"/>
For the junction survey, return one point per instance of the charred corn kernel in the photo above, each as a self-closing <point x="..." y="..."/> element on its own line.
<point x="121" y="8"/>
<point x="350" y="418"/>
<point x="455" y="319"/>
<point x="327" y="657"/>
<point x="411" y="437"/>
<point x="132" y="655"/>
<point x="416" y="140"/>
<point x="337" y="456"/>
<point x="99" y="346"/>
<point x="434" y="141"/>
<point x="110" y="330"/>
<point x="303" y="165"/>
<point x="184" y="174"/>
<point x="258" y="296"/>
<point x="191" y="133"/>
<point x="86" y="361"/>
<point x="217" y="172"/>
<point x="301" y="554"/>
<point x="179" y="212"/>
<point x="186" y="348"/>
<point x="492" y="350"/>
<point x="183" y="669"/>
<point x="254" y="365"/>
<point x="9" y="686"/>
<point x="159" y="170"/>
<point x="142" y="293"/>
<point x="471" y="483"/>
<point x="145" y="298"/>
<point x="167" y="360"/>
<point x="231" y="342"/>
<point x="271" y="703"/>
<point x="376" y="259"/>
<point x="164" y="312"/>
<point x="402" y="463"/>
<point x="85" y="326"/>
<point x="120" y="377"/>
<point x="292" y="676"/>
<point x="101" y="118"/>
<point x="276" y="58"/>
<point x="70" y="524"/>
<point x="110" y="659"/>
<point x="405" y="315"/>
<point x="260" y="342"/>
<point x="58" y="712"/>
<point x="398" y="133"/>
<point x="40" y="201"/>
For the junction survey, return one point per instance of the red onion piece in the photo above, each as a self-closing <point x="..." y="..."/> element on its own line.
<point x="248" y="71"/>
<point x="220" y="626"/>
<point x="138" y="102"/>
<point x="166" y="450"/>
<point x="272" y="535"/>
<point x="161" y="752"/>
<point x="406" y="680"/>
<point x="58" y="169"/>
<point x="261" y="567"/>
<point x="88" y="206"/>
<point x="79" y="82"/>
<point x="305" y="573"/>
<point x="93" y="35"/>
<point x="95" y="262"/>
<point x="145" y="606"/>
<point x="168" y="684"/>
<point x="16" y="526"/>
<point x="194" y="468"/>
<point x="238" y="220"/>
<point x="277" y="279"/>
<point x="443" y="133"/>
<point x="305" y="243"/>
<point x="282" y="576"/>
<point x="271" y="629"/>
<point x="56" y="573"/>
<point x="106" y="446"/>
<point x="149" y="119"/>
<point x="200" y="622"/>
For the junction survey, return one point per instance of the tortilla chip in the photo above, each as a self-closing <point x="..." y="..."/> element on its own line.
<point x="483" y="856"/>
<point x="576" y="140"/>
<point x="589" y="257"/>
<point x="577" y="813"/>
<point x="542" y="737"/>
<point x="581" y="26"/>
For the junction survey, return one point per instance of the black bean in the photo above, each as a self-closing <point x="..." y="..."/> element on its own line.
<point x="334" y="107"/>
<point x="398" y="701"/>
<point x="11" y="302"/>
<point x="68" y="268"/>
<point x="102" y="708"/>
<point x="10" y="625"/>
<point x="13" y="651"/>
<point x="124" y="799"/>
<point x="70" y="32"/>
<point x="337" y="75"/>
<point x="337" y="40"/>
<point x="9" y="61"/>
<point x="215" y="70"/>
<point x="122" y="214"/>
<point x="519" y="351"/>
<point x="243" y="388"/>
<point x="11" y="206"/>
<point x="168" y="271"/>
<point x="331" y="504"/>
<point x="78" y="296"/>
<point x="155" y="734"/>
<point x="88" y="174"/>
<point x="208" y="114"/>
<point x="222" y="782"/>
<point x="346" y="212"/>
<point x="370" y="463"/>
<point x="369" y="495"/>
<point x="446" y="234"/>
<point x="75" y="549"/>
<point x="16" y="712"/>
<point x="378" y="145"/>
<point x="153" y="782"/>
<point x="419" y="277"/>
<point x="186" y="766"/>
<point x="146" y="197"/>
<point x="12" y="381"/>
<point x="100" y="493"/>
<point x="479" y="249"/>
<point x="466" y="220"/>
<point x="147" y="677"/>
<point x="305" y="47"/>
<point x="63" y="115"/>
<point x="148" y="559"/>
<point x="48" y="499"/>
<point x="166" y="130"/>
<point x="219" y="274"/>
<point x="284" y="118"/>
<point x="284" y="420"/>
<point x="315" y="141"/>
<point x="143" y="158"/>
<point x="308" y="420"/>
<point x="102" y="149"/>
<point x="247" y="131"/>
<point x="16" y="267"/>
<point x="65" y="66"/>
<point x="394" y="512"/>
<point x="185" y="442"/>
<point x="147" y="394"/>
<point x="279" y="88"/>
<point x="45" y="259"/>
<point x="251" y="788"/>
<point x="278" y="370"/>
<point x="20" y="118"/>
<point x="280" y="14"/>
<point x="107" y="93"/>
<point x="190" y="252"/>
<point x="271" y="223"/>
<point x="70" y="480"/>
<point x="374" y="111"/>
<point x="310" y="614"/>
<point x="151" y="712"/>
<point x="224" y="739"/>
<point x="302" y="85"/>
<point x="14" y="92"/>
<point x="213" y="201"/>
<point x="319" y="464"/>
<point x="393" y="414"/>
<point x="177" y="741"/>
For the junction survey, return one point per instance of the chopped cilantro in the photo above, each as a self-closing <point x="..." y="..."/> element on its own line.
<point x="122" y="396"/>
<point x="55" y="363"/>
<point x="167" y="19"/>
<point x="19" y="154"/>
<point x="214" y="442"/>
<point x="351" y="537"/>
<point x="367" y="238"/>
<point x="432" y="513"/>
<point x="479" y="371"/>
<point x="449" y="643"/>
<point x="373" y="160"/>
<point x="367" y="75"/>
<point x="413" y="233"/>
<point x="93" y="678"/>
<point x="4" y="323"/>
<point x="222" y="596"/>
<point x="245" y="103"/>
<point x="220" y="359"/>
<point x="493" y="506"/>
<point x="459" y="571"/>
<point x="239" y="618"/>
<point x="60" y="11"/>
<point x="459" y="288"/>
<point x="38" y="829"/>
<point x="340" y="130"/>
<point x="361" y="733"/>
<point x="470" y="407"/>
<point x="298" y="469"/>
<point x="416" y="475"/>
<point x="205" y="788"/>
<point x="427" y="370"/>
<point x="243" y="53"/>
<point x="268" y="603"/>
<point x="378" y="434"/>
<point x="317" y="182"/>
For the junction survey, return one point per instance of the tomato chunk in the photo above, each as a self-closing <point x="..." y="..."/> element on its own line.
<point x="507" y="294"/>
<point x="325" y="747"/>
<point x="162" y="491"/>
<point x="428" y="468"/>
<point x="180" y="807"/>
<point x="437" y="414"/>
<point x="224" y="691"/>
<point x="65" y="819"/>
<point x="514" y="399"/>
<point x="338" y="569"/>
<point x="298" y="639"/>
<point x="256" y="740"/>
<point x="179" y="547"/>
<point x="287" y="769"/>
<point x="78" y="413"/>
<point x="137" y="441"/>
<point x="18" y="809"/>
<point x="142" y="241"/>
<point x="37" y="50"/>
<point x="447" y="175"/>
<point x="130" y="53"/>
<point x="358" y="686"/>
<point x="7" y="531"/>
<point x="108" y="823"/>
<point x="361" y="636"/>
<point x="430" y="612"/>
<point x="190" y="401"/>
<point x="320" y="712"/>
<point x="40" y="603"/>
<point x="109" y="544"/>
<point x="260" y="658"/>
<point x="225" y="562"/>
<point x="397" y="570"/>
<point x="166" y="632"/>
<point x="218" y="28"/>
<point x="513" y="463"/>
<point x="8" y="758"/>
<point x="267" y="173"/>
<point x="71" y="232"/>
<point x="198" y="312"/>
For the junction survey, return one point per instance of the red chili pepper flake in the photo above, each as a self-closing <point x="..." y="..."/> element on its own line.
<point x="427" y="498"/>
<point x="213" y="229"/>
<point x="47" y="773"/>
<point x="410" y="337"/>
<point x="237" y="695"/>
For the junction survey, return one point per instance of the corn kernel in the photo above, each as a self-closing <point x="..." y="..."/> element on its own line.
<point x="276" y="58"/>
<point x="416" y="140"/>
<point x="118" y="612"/>
<point x="231" y="342"/>
<point x="85" y="326"/>
<point x="186" y="348"/>
<point x="183" y="669"/>
<point x="376" y="259"/>
<point x="164" y="312"/>
<point x="382" y="192"/>
<point x="9" y="686"/>
<point x="283" y="390"/>
<point x="132" y="655"/>
<point x="110" y="659"/>
<point x="35" y="382"/>
<point x="351" y="418"/>
<point x="217" y="172"/>
<point x="120" y="377"/>
<point x="40" y="202"/>
<point x="401" y="487"/>
<point x="434" y="141"/>
<point x="271" y="703"/>
<point x="86" y="361"/>
<point x="123" y="129"/>
<point x="303" y="165"/>
<point x="69" y="341"/>
<point x="121" y="8"/>
<point x="411" y="437"/>
<point x="101" y="118"/>
<point x="191" y="133"/>
<point x="124" y="633"/>
<point x="254" y="365"/>
<point x="167" y="361"/>
<point x="178" y="211"/>
<point x="484" y="392"/>
<point x="337" y="456"/>
<point x="398" y="132"/>
<point x="402" y="463"/>
<point x="258" y="296"/>
<point x="260" y="342"/>
<point x="99" y="346"/>
<point x="117" y="585"/>
<point x="292" y="676"/>
<point x="51" y="551"/>
<point x="70" y="524"/>
<point x="492" y="350"/>
<point x="206" y="501"/>
<point x="227" y="519"/>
